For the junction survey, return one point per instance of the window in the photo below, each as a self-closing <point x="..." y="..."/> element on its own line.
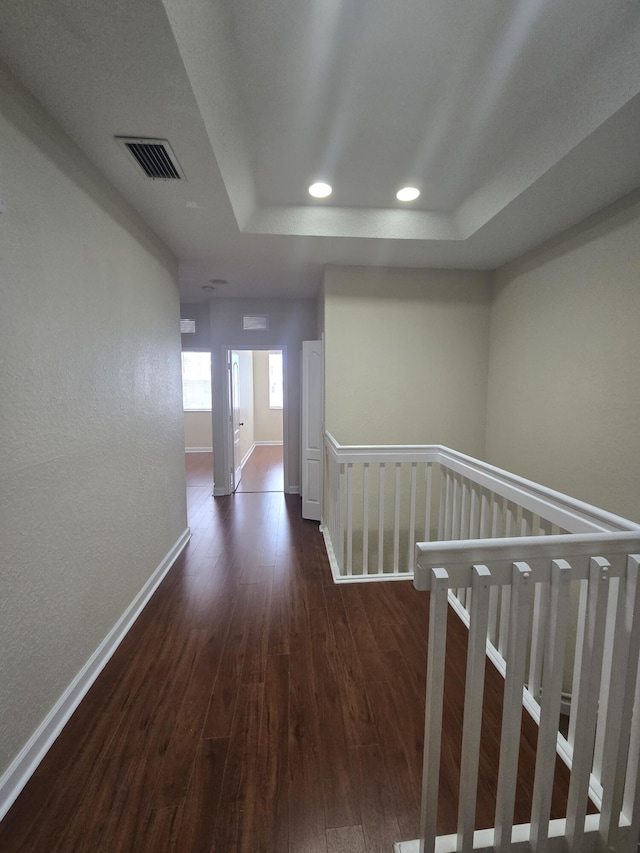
<point x="275" y="380"/>
<point x="196" y="381"/>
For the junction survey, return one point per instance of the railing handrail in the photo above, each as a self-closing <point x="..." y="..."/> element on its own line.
<point x="555" y="507"/>
<point x="531" y="495"/>
<point x="459" y="556"/>
<point x="358" y="453"/>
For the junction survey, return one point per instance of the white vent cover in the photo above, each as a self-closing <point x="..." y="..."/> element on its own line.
<point x="188" y="327"/>
<point x="255" y="322"/>
<point x="154" y="156"/>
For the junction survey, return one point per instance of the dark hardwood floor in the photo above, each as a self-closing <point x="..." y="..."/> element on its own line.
<point x="263" y="471"/>
<point x="256" y="706"/>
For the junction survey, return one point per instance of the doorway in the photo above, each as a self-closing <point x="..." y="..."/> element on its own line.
<point x="256" y="426"/>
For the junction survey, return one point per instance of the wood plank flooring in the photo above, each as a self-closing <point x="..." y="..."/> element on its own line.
<point x="256" y="706"/>
<point x="263" y="471"/>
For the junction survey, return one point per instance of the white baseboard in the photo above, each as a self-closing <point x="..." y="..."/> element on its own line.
<point x="335" y="568"/>
<point x="198" y="450"/>
<point x="23" y="766"/>
<point x="246" y="456"/>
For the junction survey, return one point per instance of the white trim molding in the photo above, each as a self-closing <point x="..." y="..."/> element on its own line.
<point x="246" y="456"/>
<point x="25" y="763"/>
<point x="198" y="450"/>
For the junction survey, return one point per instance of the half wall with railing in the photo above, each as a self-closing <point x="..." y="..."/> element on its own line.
<point x="548" y="587"/>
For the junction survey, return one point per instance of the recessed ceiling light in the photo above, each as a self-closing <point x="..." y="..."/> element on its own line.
<point x="408" y="194"/>
<point x="320" y="190"/>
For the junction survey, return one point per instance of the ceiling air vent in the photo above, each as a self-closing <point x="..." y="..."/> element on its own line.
<point x="255" y="322"/>
<point x="154" y="156"/>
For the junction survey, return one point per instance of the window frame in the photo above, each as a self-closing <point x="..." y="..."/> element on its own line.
<point x="201" y="378"/>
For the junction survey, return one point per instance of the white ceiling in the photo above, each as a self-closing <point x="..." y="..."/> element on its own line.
<point x="516" y="118"/>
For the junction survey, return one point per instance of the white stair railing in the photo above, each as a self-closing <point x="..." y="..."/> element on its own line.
<point x="516" y="561"/>
<point x="378" y="503"/>
<point x="381" y="500"/>
<point x="603" y="748"/>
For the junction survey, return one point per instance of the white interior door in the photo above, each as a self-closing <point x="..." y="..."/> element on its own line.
<point x="234" y="419"/>
<point x="312" y="429"/>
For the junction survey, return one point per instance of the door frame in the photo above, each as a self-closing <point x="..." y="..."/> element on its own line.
<point x="221" y="413"/>
<point x="235" y="464"/>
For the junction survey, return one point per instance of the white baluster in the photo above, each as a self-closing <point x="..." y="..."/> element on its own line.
<point x="340" y="542"/>
<point x="427" y="504"/>
<point x="503" y="636"/>
<point x="618" y="743"/>
<point x="381" y="519"/>
<point x="538" y="636"/>
<point x="631" y="801"/>
<point x="492" y="632"/>
<point x="365" y="519"/>
<point x="412" y="515"/>
<point x="512" y="707"/>
<point x="396" y="522"/>
<point x="485" y="515"/>
<point x="448" y="515"/>
<point x="465" y="508"/>
<point x="497" y="518"/>
<point x="474" y="513"/>
<point x="473" y="699"/>
<point x="437" y="648"/>
<point x="490" y="530"/>
<point x="577" y="661"/>
<point x="456" y="507"/>
<point x="586" y="700"/>
<point x="442" y="503"/>
<point x="349" y="518"/>
<point x="545" y="527"/>
<point x="551" y="700"/>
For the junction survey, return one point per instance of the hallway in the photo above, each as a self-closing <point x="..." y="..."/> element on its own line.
<point x="262" y="471"/>
<point x="256" y="706"/>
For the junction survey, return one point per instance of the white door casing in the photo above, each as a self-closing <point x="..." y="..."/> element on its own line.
<point x="312" y="429"/>
<point x="234" y="419"/>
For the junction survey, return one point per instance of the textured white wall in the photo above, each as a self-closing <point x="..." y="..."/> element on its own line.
<point x="92" y="492"/>
<point x="564" y="378"/>
<point x="201" y="339"/>
<point x="406" y="355"/>
<point x="268" y="422"/>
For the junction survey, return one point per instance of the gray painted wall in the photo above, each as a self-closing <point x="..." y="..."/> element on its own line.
<point x="92" y="490"/>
